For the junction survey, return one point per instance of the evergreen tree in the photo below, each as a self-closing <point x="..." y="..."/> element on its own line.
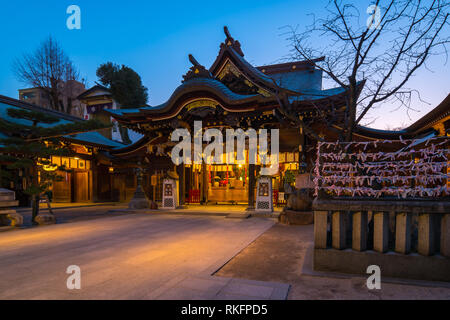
<point x="126" y="88"/>
<point x="28" y="145"/>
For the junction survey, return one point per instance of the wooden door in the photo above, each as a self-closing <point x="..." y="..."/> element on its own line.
<point x="81" y="185"/>
<point x="62" y="190"/>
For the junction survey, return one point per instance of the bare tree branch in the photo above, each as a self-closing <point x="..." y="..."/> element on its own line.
<point x="49" y="69"/>
<point x="386" y="51"/>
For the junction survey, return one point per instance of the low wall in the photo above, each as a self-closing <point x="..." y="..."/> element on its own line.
<point x="406" y="239"/>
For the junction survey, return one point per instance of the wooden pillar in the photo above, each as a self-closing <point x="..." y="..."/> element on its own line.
<point x="181" y="184"/>
<point x="111" y="186"/>
<point x="403" y="233"/>
<point x="251" y="187"/>
<point x="426" y="235"/>
<point x="338" y="230"/>
<point x="204" y="186"/>
<point x="445" y="235"/>
<point x="301" y="151"/>
<point x="359" y="232"/>
<point x="95" y="181"/>
<point x="320" y="229"/>
<point x="380" y="231"/>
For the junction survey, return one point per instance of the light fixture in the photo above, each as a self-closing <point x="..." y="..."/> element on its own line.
<point x="49" y="167"/>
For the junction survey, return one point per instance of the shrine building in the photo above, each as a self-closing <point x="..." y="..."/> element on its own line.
<point x="234" y="94"/>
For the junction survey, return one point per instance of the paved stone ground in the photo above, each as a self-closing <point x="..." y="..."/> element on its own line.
<point x="138" y="256"/>
<point x="71" y="212"/>
<point x="232" y="211"/>
<point x="284" y="254"/>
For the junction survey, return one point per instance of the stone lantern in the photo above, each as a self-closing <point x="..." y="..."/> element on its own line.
<point x="264" y="200"/>
<point x="170" y="191"/>
<point x="9" y="216"/>
<point x="140" y="200"/>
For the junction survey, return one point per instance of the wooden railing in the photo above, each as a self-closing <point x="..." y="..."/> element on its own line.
<point x="405" y="238"/>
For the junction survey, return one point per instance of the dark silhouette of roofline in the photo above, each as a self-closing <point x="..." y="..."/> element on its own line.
<point x="30" y="106"/>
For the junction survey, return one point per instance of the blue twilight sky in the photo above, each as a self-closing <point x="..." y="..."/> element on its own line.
<point x="155" y="38"/>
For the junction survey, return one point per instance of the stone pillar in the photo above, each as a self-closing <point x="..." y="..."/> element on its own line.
<point x="251" y="187"/>
<point x="445" y="235"/>
<point x="426" y="235"/>
<point x="338" y="230"/>
<point x="403" y="233"/>
<point x="320" y="229"/>
<point x="359" y="232"/>
<point x="380" y="231"/>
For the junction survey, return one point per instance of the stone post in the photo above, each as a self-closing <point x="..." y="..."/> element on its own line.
<point x="426" y="235"/>
<point x="445" y="235"/>
<point x="359" y="232"/>
<point x="403" y="233"/>
<point x="320" y="229"/>
<point x="380" y="231"/>
<point x="338" y="230"/>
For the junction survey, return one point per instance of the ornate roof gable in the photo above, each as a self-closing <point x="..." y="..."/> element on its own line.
<point x="234" y="71"/>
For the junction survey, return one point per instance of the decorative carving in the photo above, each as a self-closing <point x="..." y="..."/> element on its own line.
<point x="196" y="71"/>
<point x="233" y="78"/>
<point x="201" y="103"/>
<point x="230" y="42"/>
<point x="239" y="84"/>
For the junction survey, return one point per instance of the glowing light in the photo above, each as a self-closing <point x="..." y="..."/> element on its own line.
<point x="49" y="167"/>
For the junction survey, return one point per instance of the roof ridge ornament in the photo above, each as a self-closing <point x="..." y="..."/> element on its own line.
<point x="230" y="42"/>
<point x="196" y="71"/>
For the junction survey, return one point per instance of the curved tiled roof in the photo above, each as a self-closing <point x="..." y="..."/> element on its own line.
<point x="438" y="113"/>
<point x="214" y="86"/>
<point x="317" y="94"/>
<point x="94" y="138"/>
<point x="301" y="86"/>
<point x="90" y="138"/>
